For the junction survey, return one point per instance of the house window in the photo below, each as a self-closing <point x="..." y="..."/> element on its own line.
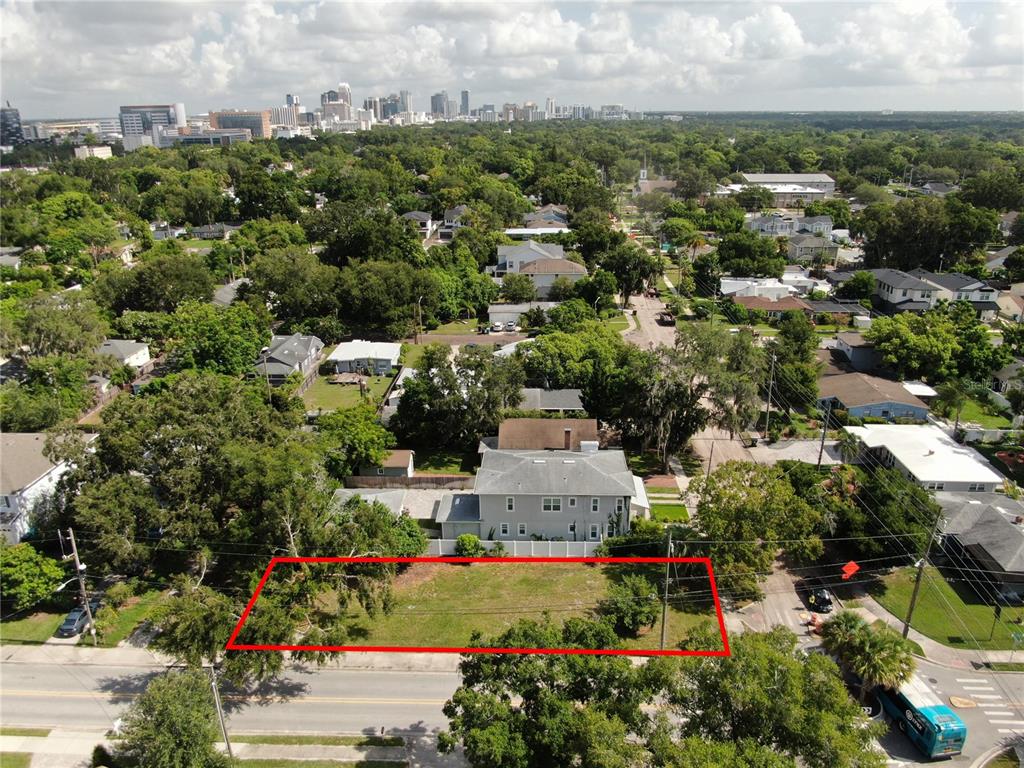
<point x="620" y="505"/>
<point x="503" y="528"/>
<point x="935" y="486"/>
<point x="510" y="503"/>
<point x="594" y="530"/>
<point x="612" y="530"/>
<point x="572" y="529"/>
<point x="595" y="504"/>
<point x="552" y="504"/>
<point x="976" y="487"/>
<point x="904" y="291"/>
<point x="572" y="502"/>
<point x="522" y="529"/>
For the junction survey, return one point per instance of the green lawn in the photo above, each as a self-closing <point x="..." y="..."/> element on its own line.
<point x="196" y="243"/>
<point x="130" y="615"/>
<point x="441" y="605"/>
<point x="33" y="629"/>
<point x="953" y="616"/>
<point x="980" y="413"/>
<point x="15" y="759"/>
<point x="646" y="463"/>
<point x="411" y="353"/>
<point x="6" y="730"/>
<point x="455" y="328"/>
<point x="669" y="513"/>
<point x="1005" y="760"/>
<point x="619" y="322"/>
<point x="328" y="397"/>
<point x="327" y="740"/>
<point x="1005" y="666"/>
<point x="430" y="461"/>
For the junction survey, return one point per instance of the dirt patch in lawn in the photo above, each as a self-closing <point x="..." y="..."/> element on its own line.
<point x="418" y="573"/>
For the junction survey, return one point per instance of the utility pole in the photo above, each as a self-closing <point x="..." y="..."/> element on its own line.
<point x="920" y="574"/>
<point x="664" y="604"/>
<point x="711" y="455"/>
<point x="824" y="429"/>
<point x="220" y="708"/>
<point x="80" y="573"/>
<point x="768" y="403"/>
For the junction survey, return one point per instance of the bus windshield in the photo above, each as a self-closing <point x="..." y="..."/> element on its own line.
<point x="932" y="726"/>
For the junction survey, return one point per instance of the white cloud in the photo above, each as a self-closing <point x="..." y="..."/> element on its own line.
<point x="87" y="58"/>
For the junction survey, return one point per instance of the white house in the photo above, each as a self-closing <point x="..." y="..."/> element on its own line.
<point x="26" y="476"/>
<point x="544" y="272"/>
<point x="763" y="287"/>
<point x="133" y="353"/>
<point x="506" y="313"/>
<point x="377" y="357"/>
<point x="956" y="286"/>
<point x="424" y="222"/>
<point x="512" y="258"/>
<point x="926" y="455"/>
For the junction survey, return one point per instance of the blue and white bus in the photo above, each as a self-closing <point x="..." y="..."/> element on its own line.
<point x="918" y="711"/>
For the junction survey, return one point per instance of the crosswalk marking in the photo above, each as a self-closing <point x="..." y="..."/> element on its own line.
<point x="998" y="713"/>
<point x="987" y="696"/>
<point x="1007" y="722"/>
<point x="978" y="688"/>
<point x="1007" y="730"/>
<point x="971" y="680"/>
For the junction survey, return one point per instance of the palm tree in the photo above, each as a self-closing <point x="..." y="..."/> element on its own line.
<point x="849" y="446"/>
<point x="840" y="635"/>
<point x="883" y="658"/>
<point x="696" y="241"/>
<point x="953" y="396"/>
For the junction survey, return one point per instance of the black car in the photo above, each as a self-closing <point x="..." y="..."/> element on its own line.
<point x="74" y="623"/>
<point x="817" y="597"/>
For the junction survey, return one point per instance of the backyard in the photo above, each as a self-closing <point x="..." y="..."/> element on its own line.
<point x="984" y="414"/>
<point x="1012" y="468"/>
<point x="435" y="461"/>
<point x="322" y="395"/>
<point x="949" y="613"/>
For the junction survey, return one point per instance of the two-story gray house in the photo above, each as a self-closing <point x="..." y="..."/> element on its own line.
<point x="584" y="495"/>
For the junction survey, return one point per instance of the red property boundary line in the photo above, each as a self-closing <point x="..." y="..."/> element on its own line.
<point x="234" y="646"/>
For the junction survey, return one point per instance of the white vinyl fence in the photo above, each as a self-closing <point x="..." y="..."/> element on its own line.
<point x="446" y="547"/>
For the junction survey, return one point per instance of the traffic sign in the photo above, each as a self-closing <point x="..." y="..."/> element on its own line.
<point x="849" y="569"/>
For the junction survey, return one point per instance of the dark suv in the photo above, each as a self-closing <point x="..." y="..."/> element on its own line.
<point x="817" y="597"/>
<point x="74" y="623"/>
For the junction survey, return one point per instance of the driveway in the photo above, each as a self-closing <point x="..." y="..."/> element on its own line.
<point x="648" y="333"/>
<point x="714" y="444"/>
<point x="796" y="450"/>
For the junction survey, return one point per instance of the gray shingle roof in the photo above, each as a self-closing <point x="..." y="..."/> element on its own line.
<point x="531" y="248"/>
<point x="393" y="499"/>
<point x="899" y="279"/>
<point x="602" y="473"/>
<point x="286" y="353"/>
<point x="951" y="281"/>
<point x="458" y="508"/>
<point x="417" y="216"/>
<point x="121" y="349"/>
<point x="535" y="399"/>
<point x="984" y="525"/>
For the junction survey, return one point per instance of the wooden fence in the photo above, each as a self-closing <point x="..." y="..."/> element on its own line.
<point x="449" y="482"/>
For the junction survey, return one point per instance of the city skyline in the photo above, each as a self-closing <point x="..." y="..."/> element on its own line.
<point x="65" y="60"/>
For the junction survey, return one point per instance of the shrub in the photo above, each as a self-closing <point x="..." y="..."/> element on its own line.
<point x="630" y="605"/>
<point x="498" y="550"/>
<point x="468" y="545"/>
<point x="118" y="594"/>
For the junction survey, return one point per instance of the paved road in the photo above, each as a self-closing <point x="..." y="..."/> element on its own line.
<point x="649" y="333"/>
<point x="325" y="700"/>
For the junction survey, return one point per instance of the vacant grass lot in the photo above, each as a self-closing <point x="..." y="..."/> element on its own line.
<point x="439" y="462"/>
<point x="953" y="616"/>
<point x="329" y="397"/>
<point x="455" y="328"/>
<point x="442" y="605"/>
<point x="130" y="615"/>
<point x="34" y="629"/>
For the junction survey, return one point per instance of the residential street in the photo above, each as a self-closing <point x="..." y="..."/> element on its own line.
<point x="648" y="332"/>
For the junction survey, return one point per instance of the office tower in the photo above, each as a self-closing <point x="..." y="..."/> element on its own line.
<point x="288" y="115"/>
<point x="464" y="106"/>
<point x="530" y="112"/>
<point x="390" y="106"/>
<point x="11" y="134"/>
<point x="372" y="103"/>
<point x="451" y="109"/>
<point x="345" y="93"/>
<point x="291" y="101"/>
<point x="439" y="103"/>
<point x="141" y="119"/>
<point x="258" y="122"/>
<point x="549" y="108"/>
<point x="488" y="108"/>
<point x="337" y="109"/>
<point x="405" y="101"/>
<point x="329" y="97"/>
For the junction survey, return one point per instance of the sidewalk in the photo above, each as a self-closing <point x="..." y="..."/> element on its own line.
<point x="60" y="749"/>
<point x="130" y="656"/>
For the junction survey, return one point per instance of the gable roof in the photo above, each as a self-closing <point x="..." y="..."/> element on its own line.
<point x="858" y="389"/>
<point x="983" y="523"/>
<point x="293" y="349"/>
<point x="553" y="267"/>
<point x="392" y="498"/>
<point x="358" y="349"/>
<point x="602" y="473"/>
<point x="539" y="434"/>
<point x="530" y="248"/>
<point x="23" y="460"/>
<point x="398" y="459"/>
<point x="900" y="279"/>
<point x="780" y="305"/>
<point x="121" y="349"/>
<point x="417" y="216"/>
<point x="951" y="281"/>
<point x="811" y="241"/>
<point x="853" y="339"/>
<point x="536" y="399"/>
<point x="834" y="306"/>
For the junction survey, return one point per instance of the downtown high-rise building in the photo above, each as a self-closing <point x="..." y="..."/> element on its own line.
<point x="464" y="103"/>
<point x="345" y="93"/>
<point x="372" y="104"/>
<point x="549" y="108"/>
<point x="141" y="119"/>
<point x="405" y="101"/>
<point x="257" y="122"/>
<point x="439" y="104"/>
<point x="11" y="134"/>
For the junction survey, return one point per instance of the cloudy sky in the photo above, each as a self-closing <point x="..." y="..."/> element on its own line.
<point x="63" y="59"/>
